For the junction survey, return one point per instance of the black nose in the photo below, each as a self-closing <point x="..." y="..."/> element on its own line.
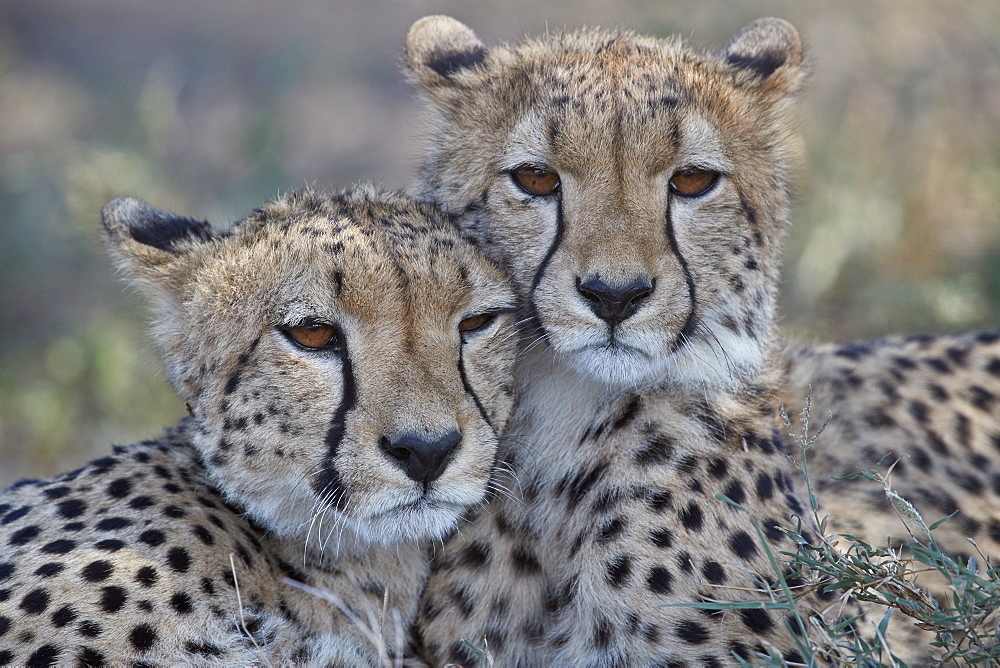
<point x="421" y="457"/>
<point x="614" y="303"/>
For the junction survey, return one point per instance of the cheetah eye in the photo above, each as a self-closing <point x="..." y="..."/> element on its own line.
<point x="476" y="322"/>
<point x="692" y="182"/>
<point x="534" y="181"/>
<point x="314" y="335"/>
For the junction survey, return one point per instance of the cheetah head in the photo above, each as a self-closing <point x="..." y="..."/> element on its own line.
<point x="347" y="359"/>
<point x="635" y="189"/>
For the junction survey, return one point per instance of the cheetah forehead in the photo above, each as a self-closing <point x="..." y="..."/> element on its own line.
<point x="361" y="240"/>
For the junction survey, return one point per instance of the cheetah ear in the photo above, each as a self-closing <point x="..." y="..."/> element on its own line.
<point x="769" y="53"/>
<point x="138" y="236"/>
<point x="151" y="247"/>
<point x="441" y="51"/>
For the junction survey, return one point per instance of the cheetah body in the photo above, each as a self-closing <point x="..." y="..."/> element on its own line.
<point x="928" y="408"/>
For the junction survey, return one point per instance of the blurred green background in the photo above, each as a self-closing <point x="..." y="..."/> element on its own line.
<point x="209" y="108"/>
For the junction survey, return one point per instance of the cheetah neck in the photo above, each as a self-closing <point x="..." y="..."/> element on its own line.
<point x="567" y="422"/>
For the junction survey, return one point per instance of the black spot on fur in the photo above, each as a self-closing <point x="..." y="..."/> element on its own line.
<point x="119" y="488"/>
<point x="578" y="487"/>
<point x="147" y="576"/>
<point x="659" y="580"/>
<point x="152" y="537"/>
<point x="462" y="600"/>
<point x="603" y="633"/>
<point x="89" y="629"/>
<point x="97" y="571"/>
<point x="662" y="537"/>
<point x="691" y="517"/>
<point x="142" y="637"/>
<point x="71" y="508"/>
<point x="15" y="515"/>
<point x="714" y="572"/>
<point x="982" y="398"/>
<point x="659" y="449"/>
<point x="181" y="602"/>
<point x="525" y="561"/>
<point x="758" y="621"/>
<point x="718" y="468"/>
<point x="89" y="656"/>
<point x="627" y="414"/>
<point x="141" y="503"/>
<point x="58" y="547"/>
<point x="50" y="569"/>
<point x="853" y="351"/>
<point x="765" y="487"/>
<point x="611" y="530"/>
<point x="63" y="616"/>
<point x="742" y="545"/>
<point x="112" y="599"/>
<point x="24" y="535"/>
<point x="35" y="601"/>
<point x="46" y="655"/>
<point x="113" y="524"/>
<point x="963" y="430"/>
<point x="102" y="465"/>
<point x="618" y="570"/>
<point x="660" y="500"/>
<point x="735" y="492"/>
<point x="109" y="545"/>
<point x="178" y="559"/>
<point x="879" y="419"/>
<point x="174" y="512"/>
<point x="203" y="534"/>
<point x="202" y="649"/>
<point x="691" y="632"/>
<point x="919" y="411"/>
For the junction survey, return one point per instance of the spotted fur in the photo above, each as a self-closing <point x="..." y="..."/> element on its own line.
<point x="626" y="432"/>
<point x="181" y="549"/>
<point x="930" y="406"/>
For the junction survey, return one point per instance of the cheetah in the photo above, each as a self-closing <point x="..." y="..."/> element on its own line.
<point x="637" y="193"/>
<point x="575" y="159"/>
<point x="347" y="365"/>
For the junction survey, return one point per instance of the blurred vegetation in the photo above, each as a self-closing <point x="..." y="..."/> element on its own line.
<point x="208" y="109"/>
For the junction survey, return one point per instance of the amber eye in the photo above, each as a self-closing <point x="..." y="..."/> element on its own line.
<point x="538" y="182"/>
<point x="692" y="182"/>
<point x="314" y="335"/>
<point x="474" y="322"/>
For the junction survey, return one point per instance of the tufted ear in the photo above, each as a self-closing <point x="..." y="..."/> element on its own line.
<point x="768" y="52"/>
<point x="145" y="241"/>
<point x="153" y="248"/>
<point x="158" y="252"/>
<point x="441" y="51"/>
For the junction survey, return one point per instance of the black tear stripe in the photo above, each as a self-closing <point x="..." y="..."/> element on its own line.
<point x="472" y="392"/>
<point x="552" y="249"/>
<point x="327" y="483"/>
<point x="687" y="331"/>
<point x="535" y="318"/>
